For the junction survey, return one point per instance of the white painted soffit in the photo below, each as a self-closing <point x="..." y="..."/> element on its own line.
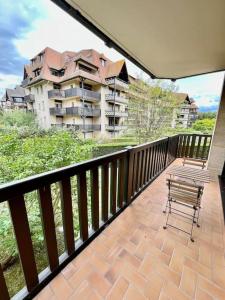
<point x="168" y="38"/>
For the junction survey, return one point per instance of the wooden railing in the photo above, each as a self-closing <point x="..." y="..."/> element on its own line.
<point x="194" y="145"/>
<point x="112" y="182"/>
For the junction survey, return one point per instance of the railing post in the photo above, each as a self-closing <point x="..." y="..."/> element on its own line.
<point x="166" y="156"/>
<point x="192" y="145"/>
<point x="130" y="163"/>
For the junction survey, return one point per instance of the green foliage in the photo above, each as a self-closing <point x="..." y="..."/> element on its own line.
<point x="151" y="109"/>
<point x="207" y="115"/>
<point x="26" y="152"/>
<point x="17" y="118"/>
<point x="204" y="125"/>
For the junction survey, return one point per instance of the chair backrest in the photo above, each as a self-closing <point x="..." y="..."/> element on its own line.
<point x="185" y="192"/>
<point x="194" y="162"/>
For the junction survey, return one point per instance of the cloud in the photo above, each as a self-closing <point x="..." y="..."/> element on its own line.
<point x="8" y="81"/>
<point x="16" y="19"/>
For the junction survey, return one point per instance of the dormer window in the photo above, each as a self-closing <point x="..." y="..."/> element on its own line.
<point x="103" y="62"/>
<point x="41" y="55"/>
<point x="58" y="73"/>
<point x="85" y="68"/>
<point x="37" y="72"/>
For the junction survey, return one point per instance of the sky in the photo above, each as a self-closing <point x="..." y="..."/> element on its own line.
<point x="28" y="26"/>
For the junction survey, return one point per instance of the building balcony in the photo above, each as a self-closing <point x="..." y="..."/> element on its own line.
<point x="117" y="83"/>
<point x="110" y="113"/>
<point x="86" y="127"/>
<point x="56" y="111"/>
<point x="111" y="98"/>
<point x="80" y="111"/>
<point x="29" y="98"/>
<point x="87" y="95"/>
<point x="133" y="251"/>
<point x="115" y="128"/>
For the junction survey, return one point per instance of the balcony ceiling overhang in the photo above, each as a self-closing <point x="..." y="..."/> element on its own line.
<point x="167" y="39"/>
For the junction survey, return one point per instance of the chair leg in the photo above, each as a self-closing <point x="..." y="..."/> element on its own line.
<point x="165" y="209"/>
<point x="198" y="225"/>
<point x="193" y="224"/>
<point x="169" y="211"/>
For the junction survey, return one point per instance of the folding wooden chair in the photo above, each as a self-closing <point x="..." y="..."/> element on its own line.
<point x="182" y="193"/>
<point x="194" y="162"/>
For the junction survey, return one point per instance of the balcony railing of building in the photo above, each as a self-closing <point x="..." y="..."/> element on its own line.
<point x="115" y="128"/>
<point x="74" y="92"/>
<point x="110" y="113"/>
<point x="116" y="98"/>
<point x="105" y="186"/>
<point x="29" y="98"/>
<point x="119" y="83"/>
<point x="86" y="127"/>
<point x="75" y="111"/>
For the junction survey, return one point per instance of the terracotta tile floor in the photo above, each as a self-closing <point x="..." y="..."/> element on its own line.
<point x="134" y="258"/>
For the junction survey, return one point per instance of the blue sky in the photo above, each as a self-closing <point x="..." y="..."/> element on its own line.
<point x="28" y="26"/>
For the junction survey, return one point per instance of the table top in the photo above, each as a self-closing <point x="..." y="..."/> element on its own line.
<point x="190" y="173"/>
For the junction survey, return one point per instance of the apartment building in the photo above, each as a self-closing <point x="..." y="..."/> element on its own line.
<point x="83" y="90"/>
<point x="14" y="99"/>
<point x="187" y="112"/>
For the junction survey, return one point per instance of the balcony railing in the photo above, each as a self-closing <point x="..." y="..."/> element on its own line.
<point x="29" y="98"/>
<point x="110" y="113"/>
<point x="74" y="92"/>
<point x="115" y="128"/>
<point x="86" y="127"/>
<point x="119" y="84"/>
<point x="56" y="111"/>
<point x="111" y="98"/>
<point x="80" y="111"/>
<point x="120" y="177"/>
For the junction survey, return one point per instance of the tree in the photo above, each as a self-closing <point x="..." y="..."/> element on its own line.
<point x="17" y="118"/>
<point x="151" y="108"/>
<point x="205" y="125"/>
<point x="206" y="115"/>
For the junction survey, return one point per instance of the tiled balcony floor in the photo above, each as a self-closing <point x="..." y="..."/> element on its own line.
<point x="134" y="258"/>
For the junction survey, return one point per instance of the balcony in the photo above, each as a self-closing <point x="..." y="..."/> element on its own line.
<point x="115" y="128"/>
<point x="75" y="93"/>
<point x="86" y="127"/>
<point x="110" y="113"/>
<point x="117" y="83"/>
<point x="132" y="256"/>
<point x="80" y="111"/>
<point x="29" y="98"/>
<point x="56" y="111"/>
<point x="119" y="99"/>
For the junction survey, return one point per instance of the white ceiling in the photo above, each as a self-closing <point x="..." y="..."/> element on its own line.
<point x="169" y="38"/>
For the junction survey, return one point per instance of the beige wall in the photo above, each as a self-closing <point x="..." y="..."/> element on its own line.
<point x="217" y="151"/>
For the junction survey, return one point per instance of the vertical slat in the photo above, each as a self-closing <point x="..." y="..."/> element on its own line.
<point x="139" y="165"/>
<point x="130" y="181"/>
<point x="199" y="146"/>
<point x="203" y="155"/>
<point x="4" y="295"/>
<point x="150" y="164"/>
<point x="153" y="161"/>
<point x="156" y="160"/>
<point x="184" y="146"/>
<point x="146" y="166"/>
<point x="67" y="213"/>
<point x="187" y="150"/>
<point x="191" y="154"/>
<point x="95" y="198"/>
<point x="143" y="167"/>
<point x="121" y="183"/>
<point x="135" y="171"/>
<point x="105" y="192"/>
<point x="23" y="239"/>
<point x="82" y="205"/>
<point x="113" y="182"/>
<point x="47" y="216"/>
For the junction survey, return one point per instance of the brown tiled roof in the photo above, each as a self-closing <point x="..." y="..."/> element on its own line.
<point x="18" y="91"/>
<point x="181" y="97"/>
<point x="115" y="68"/>
<point x="68" y="61"/>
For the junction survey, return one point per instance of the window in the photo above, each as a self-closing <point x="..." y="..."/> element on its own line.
<point x="18" y="99"/>
<point x="37" y="72"/>
<point x="41" y="89"/>
<point x="111" y="121"/>
<point x="86" y="86"/>
<point x="103" y="62"/>
<point x="58" y="104"/>
<point x="41" y="55"/>
<point x="71" y="86"/>
<point x="58" y="73"/>
<point x="85" y="68"/>
<point x="37" y="88"/>
<point x="56" y="86"/>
